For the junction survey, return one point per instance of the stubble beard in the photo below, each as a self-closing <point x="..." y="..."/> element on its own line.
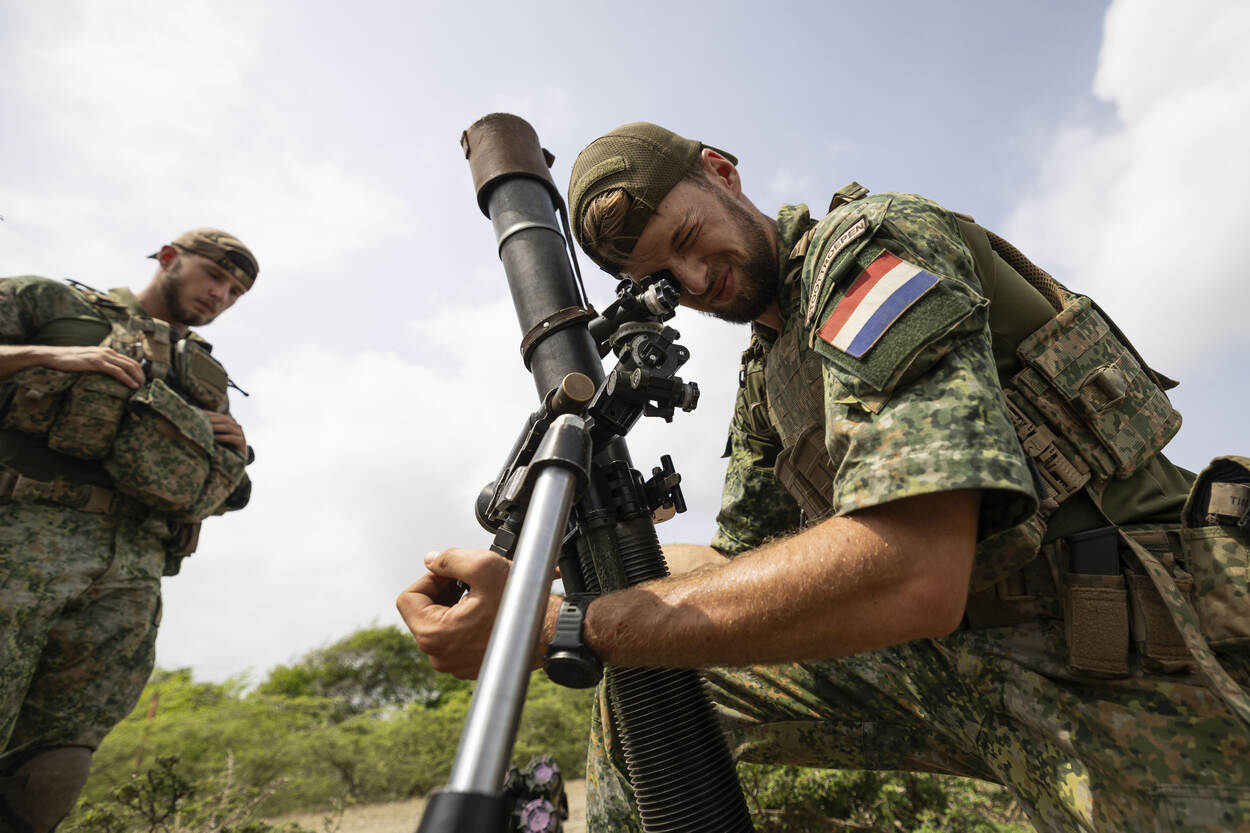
<point x="757" y="273"/>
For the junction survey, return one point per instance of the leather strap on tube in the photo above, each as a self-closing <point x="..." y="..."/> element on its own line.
<point x="502" y="145"/>
<point x="552" y="324"/>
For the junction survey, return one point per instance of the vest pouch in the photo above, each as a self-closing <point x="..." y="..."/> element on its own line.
<point x="90" y="416"/>
<point x="1095" y="617"/>
<point x="200" y="375"/>
<point x="224" y="475"/>
<point x="163" y="451"/>
<point x="1218" y="558"/>
<point x="806" y="472"/>
<point x="34" y="399"/>
<point x="1215" y="544"/>
<point x="1092" y="390"/>
<point x="1157" y="641"/>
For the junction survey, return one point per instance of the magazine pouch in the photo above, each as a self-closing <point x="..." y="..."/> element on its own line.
<point x="164" y="450"/>
<point x="1215" y="539"/>
<point x="1092" y="391"/>
<point x="90" y="416"/>
<point x="225" y="473"/>
<point x="32" y="399"/>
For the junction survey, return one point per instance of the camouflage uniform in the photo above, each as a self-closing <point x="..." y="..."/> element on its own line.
<point x="81" y="604"/>
<point x="1146" y="747"/>
<point x="81" y="595"/>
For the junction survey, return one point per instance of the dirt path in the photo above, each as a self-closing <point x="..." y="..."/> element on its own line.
<point x="403" y="816"/>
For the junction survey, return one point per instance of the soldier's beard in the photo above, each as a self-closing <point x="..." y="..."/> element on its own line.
<point x="756" y="273"/>
<point x="180" y="315"/>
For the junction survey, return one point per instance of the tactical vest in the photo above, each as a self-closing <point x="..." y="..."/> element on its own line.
<point x="1087" y="410"/>
<point x="1084" y="405"/>
<point x="155" y="443"/>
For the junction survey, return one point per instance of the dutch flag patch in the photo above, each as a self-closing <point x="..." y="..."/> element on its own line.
<point x="876" y="299"/>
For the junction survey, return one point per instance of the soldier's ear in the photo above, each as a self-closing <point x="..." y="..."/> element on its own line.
<point x="166" y="256"/>
<point x="721" y="171"/>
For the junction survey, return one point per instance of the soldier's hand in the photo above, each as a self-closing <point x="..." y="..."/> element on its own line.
<point x="228" y="432"/>
<point x="455" y="637"/>
<point x="93" y="360"/>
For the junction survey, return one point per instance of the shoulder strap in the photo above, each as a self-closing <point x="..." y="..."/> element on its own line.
<point x="1037" y="277"/>
<point x="1056" y="293"/>
<point x="847" y="193"/>
<point x="154" y="336"/>
<point x="104" y="304"/>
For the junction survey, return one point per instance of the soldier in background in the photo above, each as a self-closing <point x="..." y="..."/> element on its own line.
<point x="115" y="443"/>
<point x="948" y="540"/>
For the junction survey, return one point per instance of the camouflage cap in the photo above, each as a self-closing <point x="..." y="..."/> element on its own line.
<point x="224" y="249"/>
<point x="646" y="161"/>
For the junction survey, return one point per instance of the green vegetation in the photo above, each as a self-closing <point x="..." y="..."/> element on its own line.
<point x="162" y="800"/>
<point x="364" y="720"/>
<point x="368" y="720"/>
<point x="786" y="799"/>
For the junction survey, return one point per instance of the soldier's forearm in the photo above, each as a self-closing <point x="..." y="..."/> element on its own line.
<point x="682" y="558"/>
<point x="881" y="577"/>
<point x="15" y="357"/>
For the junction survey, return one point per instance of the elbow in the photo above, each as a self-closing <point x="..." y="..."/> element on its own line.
<point x="946" y="616"/>
<point x="936" y="600"/>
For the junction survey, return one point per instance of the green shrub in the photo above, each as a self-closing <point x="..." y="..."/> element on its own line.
<point x="348" y="724"/>
<point x="163" y="800"/>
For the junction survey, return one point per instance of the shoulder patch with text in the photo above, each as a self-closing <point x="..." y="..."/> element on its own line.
<point x="845" y="239"/>
<point x="880" y="294"/>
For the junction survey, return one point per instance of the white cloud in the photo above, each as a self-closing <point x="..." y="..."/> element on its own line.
<point x="308" y="213"/>
<point x="1147" y="215"/>
<point x="128" y="82"/>
<point x="153" y="114"/>
<point x="782" y="186"/>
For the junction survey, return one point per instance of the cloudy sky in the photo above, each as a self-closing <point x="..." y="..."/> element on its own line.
<point x="379" y="346"/>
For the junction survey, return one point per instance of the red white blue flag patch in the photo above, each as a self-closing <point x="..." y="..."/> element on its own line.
<point x="881" y="293"/>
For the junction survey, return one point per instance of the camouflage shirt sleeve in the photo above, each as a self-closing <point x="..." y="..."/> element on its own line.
<point x="922" y="410"/>
<point x="754" y="505"/>
<point x="28" y="304"/>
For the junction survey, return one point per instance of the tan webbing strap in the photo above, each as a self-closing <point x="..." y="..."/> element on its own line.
<point x="156" y="346"/>
<point x="847" y="193"/>
<point x="99" y="501"/>
<point x="1186" y="622"/>
<point x="1063" y="477"/>
<point x="84" y="497"/>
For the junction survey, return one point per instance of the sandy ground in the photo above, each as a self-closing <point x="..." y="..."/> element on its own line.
<point x="404" y="816"/>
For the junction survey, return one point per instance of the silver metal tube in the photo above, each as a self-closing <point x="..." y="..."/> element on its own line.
<point x="490" y="727"/>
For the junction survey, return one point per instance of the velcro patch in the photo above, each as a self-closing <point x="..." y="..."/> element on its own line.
<point x="845" y="239"/>
<point x="880" y="294"/>
<point x="904" y="323"/>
